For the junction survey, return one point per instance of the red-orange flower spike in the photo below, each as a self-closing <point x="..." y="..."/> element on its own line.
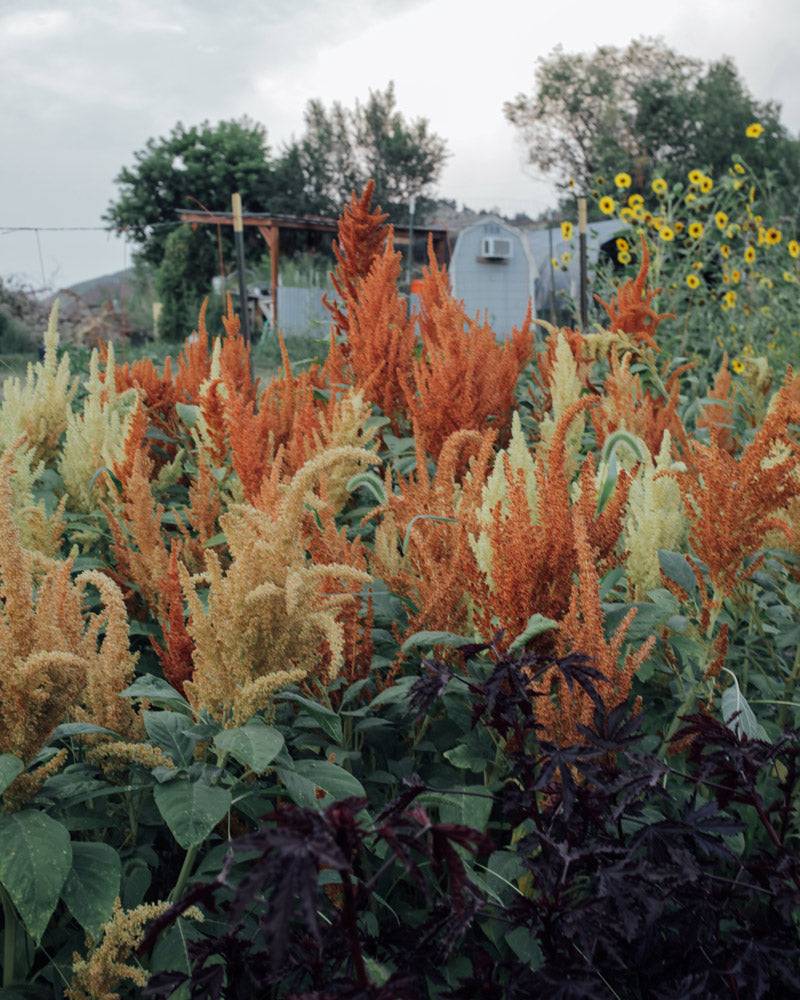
<point x="381" y="336"/>
<point x="362" y="234"/>
<point x="625" y="404"/>
<point x="431" y="574"/>
<point x="720" y="414"/>
<point x="194" y="362"/>
<point x="234" y="359"/>
<point x="582" y="630"/>
<point x="734" y="503"/>
<point x="533" y="551"/>
<point x="176" y="655"/>
<point x="630" y="311"/>
<point x="464" y="378"/>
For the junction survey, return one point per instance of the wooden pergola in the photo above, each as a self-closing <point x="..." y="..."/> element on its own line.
<point x="270" y="226"/>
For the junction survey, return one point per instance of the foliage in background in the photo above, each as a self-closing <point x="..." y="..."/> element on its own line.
<point x="726" y="260"/>
<point x="342" y="149"/>
<point x="518" y="709"/>
<point x="647" y="109"/>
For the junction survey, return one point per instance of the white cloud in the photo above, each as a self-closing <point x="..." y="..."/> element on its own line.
<point x="87" y="82"/>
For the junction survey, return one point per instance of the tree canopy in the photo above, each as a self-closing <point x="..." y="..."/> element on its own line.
<point x="202" y="165"/>
<point x="342" y="149"/>
<point x="647" y="110"/>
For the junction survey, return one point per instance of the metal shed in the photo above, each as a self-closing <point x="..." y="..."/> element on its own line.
<point x="493" y="271"/>
<point x="563" y="285"/>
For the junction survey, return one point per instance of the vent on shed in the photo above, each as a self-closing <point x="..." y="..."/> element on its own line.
<point x="495" y="248"/>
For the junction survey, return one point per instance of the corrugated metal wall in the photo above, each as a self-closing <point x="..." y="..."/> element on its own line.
<point x="301" y="312"/>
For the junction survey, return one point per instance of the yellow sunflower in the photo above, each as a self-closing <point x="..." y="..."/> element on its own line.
<point x="706" y="184"/>
<point x="695" y="176"/>
<point x="622" y="244"/>
<point x="737" y="366"/>
<point x="636" y="201"/>
<point x="692" y="281"/>
<point x="624" y="257"/>
<point x="666" y="234"/>
<point x="607" y="205"/>
<point x="754" y="131"/>
<point x="721" y="220"/>
<point x="566" y="230"/>
<point x="695" y="230"/>
<point x="750" y="255"/>
<point x="725" y="250"/>
<point x="794" y="248"/>
<point x="623" y="180"/>
<point x="659" y="185"/>
<point x="774" y="236"/>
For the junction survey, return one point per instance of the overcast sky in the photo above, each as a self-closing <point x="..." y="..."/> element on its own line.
<point x="85" y="83"/>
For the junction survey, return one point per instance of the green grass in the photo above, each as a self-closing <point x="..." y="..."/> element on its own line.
<point x="266" y="357"/>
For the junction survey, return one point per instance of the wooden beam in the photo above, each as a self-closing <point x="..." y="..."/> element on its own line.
<point x="271" y="234"/>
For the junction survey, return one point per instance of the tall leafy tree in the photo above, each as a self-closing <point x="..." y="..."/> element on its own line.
<point x="645" y="109"/>
<point x="342" y="149"/>
<point x="203" y="163"/>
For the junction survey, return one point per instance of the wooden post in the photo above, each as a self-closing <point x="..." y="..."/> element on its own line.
<point x="274" y="251"/>
<point x="583" y="270"/>
<point x="238" y="235"/>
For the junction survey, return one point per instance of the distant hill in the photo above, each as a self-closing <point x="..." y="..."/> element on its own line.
<point x="95" y="291"/>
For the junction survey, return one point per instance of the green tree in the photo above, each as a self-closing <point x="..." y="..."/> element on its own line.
<point x="341" y="150"/>
<point x="186" y="254"/>
<point x="204" y="163"/>
<point x="646" y="110"/>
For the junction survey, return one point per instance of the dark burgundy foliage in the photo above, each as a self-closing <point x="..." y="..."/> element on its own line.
<point x="629" y="877"/>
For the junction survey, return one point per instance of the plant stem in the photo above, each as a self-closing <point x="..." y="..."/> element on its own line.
<point x="10" y="922"/>
<point x="788" y="690"/>
<point x="183" y="875"/>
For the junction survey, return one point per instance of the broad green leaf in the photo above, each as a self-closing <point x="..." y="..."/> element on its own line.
<point x="191" y="809"/>
<point x="303" y="780"/>
<point x="373" y="483"/>
<point x="676" y="567"/>
<point x="188" y="413"/>
<point x="326" y="719"/>
<point x="466" y="756"/>
<point x="68" y="729"/>
<point x="167" y="730"/>
<point x="428" y="639"/>
<point x="746" y="723"/>
<point x="35" y="859"/>
<point x="525" y="946"/>
<point x="92" y="884"/>
<point x="536" y="625"/>
<point x="398" y="692"/>
<point x="467" y="804"/>
<point x="255" y="745"/>
<point x="10" y="767"/>
<point x="156" y="690"/>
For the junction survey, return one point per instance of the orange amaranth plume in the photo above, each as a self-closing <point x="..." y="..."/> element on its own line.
<point x="733" y="503"/>
<point x="361" y="237"/>
<point x="176" y="653"/>
<point x="464" y="378"/>
<point x="380" y="336"/>
<point x="630" y="311"/>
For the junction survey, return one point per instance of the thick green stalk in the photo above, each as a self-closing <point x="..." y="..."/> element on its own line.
<point x="183" y="875"/>
<point x="788" y="690"/>
<point x="10" y="924"/>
